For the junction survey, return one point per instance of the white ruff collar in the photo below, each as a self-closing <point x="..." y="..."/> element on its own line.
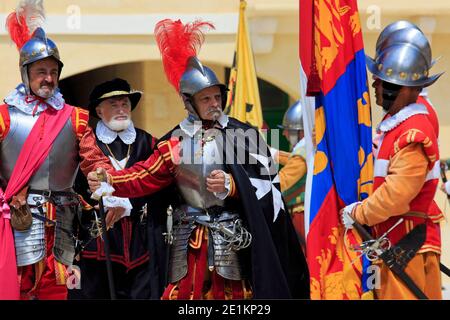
<point x="18" y="99"/>
<point x="191" y="128"/>
<point x="107" y="136"/>
<point x="401" y="116"/>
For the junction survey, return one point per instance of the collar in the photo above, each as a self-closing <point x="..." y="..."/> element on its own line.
<point x="424" y="92"/>
<point x="30" y="103"/>
<point x="407" y="112"/>
<point x="107" y="136"/>
<point x="191" y="127"/>
<point x="300" y="149"/>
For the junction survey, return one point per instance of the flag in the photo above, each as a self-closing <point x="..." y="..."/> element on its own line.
<point x="243" y="102"/>
<point x="333" y="63"/>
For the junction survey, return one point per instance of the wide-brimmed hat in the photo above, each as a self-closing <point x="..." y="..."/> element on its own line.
<point x="113" y="88"/>
<point x="404" y="58"/>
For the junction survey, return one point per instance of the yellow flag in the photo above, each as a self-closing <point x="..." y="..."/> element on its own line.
<point x="243" y="101"/>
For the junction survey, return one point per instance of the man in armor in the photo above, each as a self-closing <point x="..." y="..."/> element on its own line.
<point x="230" y="236"/>
<point x="42" y="141"/>
<point x="293" y="173"/>
<point x="113" y="101"/>
<point x="405" y="179"/>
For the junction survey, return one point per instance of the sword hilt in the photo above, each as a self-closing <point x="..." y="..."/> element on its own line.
<point x="101" y="175"/>
<point x="168" y="236"/>
<point x="372" y="247"/>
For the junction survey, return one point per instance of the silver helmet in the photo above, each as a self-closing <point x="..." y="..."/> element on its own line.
<point x="39" y="47"/>
<point x="404" y="59"/>
<point x="293" y="117"/>
<point x="394" y="26"/>
<point x="293" y="122"/>
<point x="399" y="25"/>
<point x="196" y="78"/>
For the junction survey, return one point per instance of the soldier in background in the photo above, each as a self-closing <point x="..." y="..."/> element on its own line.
<point x="293" y="173"/>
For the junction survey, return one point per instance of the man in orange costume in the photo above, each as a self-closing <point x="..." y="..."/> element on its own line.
<point x="406" y="153"/>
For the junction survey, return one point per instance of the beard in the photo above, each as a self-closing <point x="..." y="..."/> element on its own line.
<point x="45" y="93"/>
<point x="215" y="114"/>
<point x="118" y="125"/>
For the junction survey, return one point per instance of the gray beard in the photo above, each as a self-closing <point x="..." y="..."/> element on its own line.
<point x="44" y="94"/>
<point x="216" y="115"/>
<point x="118" y="125"/>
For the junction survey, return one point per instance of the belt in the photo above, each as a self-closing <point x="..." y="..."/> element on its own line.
<point x="211" y="211"/>
<point x="416" y="215"/>
<point x="51" y="193"/>
<point x="215" y="213"/>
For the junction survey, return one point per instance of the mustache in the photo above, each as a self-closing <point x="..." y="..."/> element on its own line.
<point x="47" y="84"/>
<point x="117" y="118"/>
<point x="214" y="110"/>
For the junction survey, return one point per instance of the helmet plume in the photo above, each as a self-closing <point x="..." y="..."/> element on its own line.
<point x="178" y="42"/>
<point x="21" y="23"/>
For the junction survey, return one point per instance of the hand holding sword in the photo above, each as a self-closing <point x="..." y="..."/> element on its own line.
<point x="395" y="258"/>
<point x="95" y="180"/>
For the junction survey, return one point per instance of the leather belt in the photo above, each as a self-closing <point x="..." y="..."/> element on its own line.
<point x="416" y="214"/>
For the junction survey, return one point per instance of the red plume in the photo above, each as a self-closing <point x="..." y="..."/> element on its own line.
<point x="177" y="43"/>
<point x="18" y="30"/>
<point x="21" y="23"/>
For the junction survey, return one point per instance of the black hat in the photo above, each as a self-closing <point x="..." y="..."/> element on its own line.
<point x="113" y="88"/>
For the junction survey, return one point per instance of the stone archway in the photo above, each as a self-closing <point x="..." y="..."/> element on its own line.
<point x="160" y="108"/>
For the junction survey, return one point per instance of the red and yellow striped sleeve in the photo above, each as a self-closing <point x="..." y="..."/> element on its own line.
<point x="4" y="121"/>
<point x="146" y="177"/>
<point x="417" y="136"/>
<point x="80" y="119"/>
<point x="91" y="157"/>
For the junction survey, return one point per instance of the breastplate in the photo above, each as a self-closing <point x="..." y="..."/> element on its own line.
<point x="200" y="155"/>
<point x="59" y="169"/>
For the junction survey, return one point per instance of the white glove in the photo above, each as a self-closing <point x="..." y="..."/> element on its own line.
<point x="347" y="219"/>
<point x="105" y="190"/>
<point x="114" y="202"/>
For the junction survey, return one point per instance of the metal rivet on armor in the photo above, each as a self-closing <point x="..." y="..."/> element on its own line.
<point x="33" y="53"/>
<point x="415" y="76"/>
<point x="425" y="73"/>
<point x="403" y="75"/>
<point x="42" y="49"/>
<point x="389" y="72"/>
<point x="380" y="67"/>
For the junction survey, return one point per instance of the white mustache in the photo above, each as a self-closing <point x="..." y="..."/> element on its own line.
<point x="215" y="110"/>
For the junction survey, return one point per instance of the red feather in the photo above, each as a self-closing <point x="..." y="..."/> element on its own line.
<point x="178" y="42"/>
<point x="18" y="31"/>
